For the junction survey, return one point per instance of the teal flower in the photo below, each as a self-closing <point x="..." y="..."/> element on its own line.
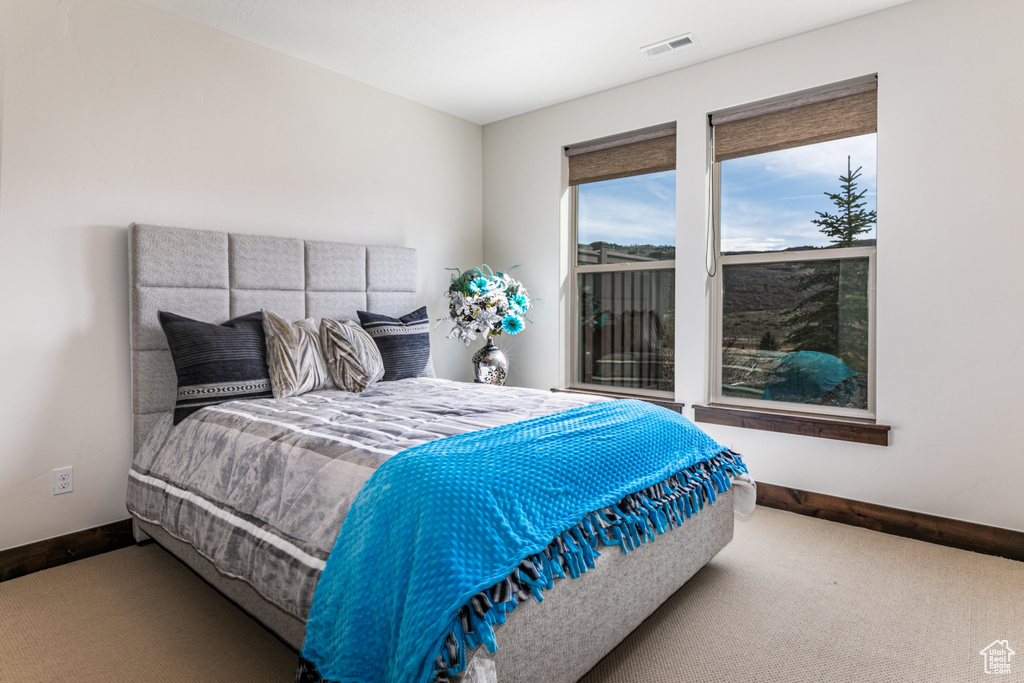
<point x="483" y="301"/>
<point x="518" y="303"/>
<point x="512" y="324"/>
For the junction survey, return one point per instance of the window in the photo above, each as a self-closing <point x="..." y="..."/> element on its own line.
<point x="623" y="275"/>
<point x="794" y="295"/>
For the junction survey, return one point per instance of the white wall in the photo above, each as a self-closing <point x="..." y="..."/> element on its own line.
<point x="112" y="112"/>
<point x="950" y="239"/>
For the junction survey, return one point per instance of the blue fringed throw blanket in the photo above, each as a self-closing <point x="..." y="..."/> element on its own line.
<point x="447" y="537"/>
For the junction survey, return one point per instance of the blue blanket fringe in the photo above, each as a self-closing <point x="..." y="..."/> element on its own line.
<point x="631" y="522"/>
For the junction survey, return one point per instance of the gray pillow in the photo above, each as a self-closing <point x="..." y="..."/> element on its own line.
<point x="351" y="355"/>
<point x="294" y="356"/>
<point x="404" y="343"/>
<point x="216" y="363"/>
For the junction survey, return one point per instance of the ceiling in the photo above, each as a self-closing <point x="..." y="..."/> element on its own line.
<point x="485" y="60"/>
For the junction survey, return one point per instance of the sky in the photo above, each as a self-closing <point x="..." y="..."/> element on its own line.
<point x="636" y="210"/>
<point x="768" y="200"/>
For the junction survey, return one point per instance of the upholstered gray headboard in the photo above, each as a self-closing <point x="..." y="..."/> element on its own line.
<point x="216" y="276"/>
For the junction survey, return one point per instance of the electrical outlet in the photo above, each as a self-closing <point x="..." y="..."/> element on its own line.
<point x="63" y="480"/>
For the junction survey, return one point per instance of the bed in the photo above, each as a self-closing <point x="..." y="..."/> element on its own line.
<point x="264" y="545"/>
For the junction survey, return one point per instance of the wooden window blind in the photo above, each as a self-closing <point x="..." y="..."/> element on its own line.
<point x="646" y="152"/>
<point x="821" y="117"/>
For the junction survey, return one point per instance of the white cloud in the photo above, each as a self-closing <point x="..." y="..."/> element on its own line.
<point x="769" y="200"/>
<point x="627" y="220"/>
<point x="825" y="161"/>
<point x="751" y="244"/>
<point x="751" y="226"/>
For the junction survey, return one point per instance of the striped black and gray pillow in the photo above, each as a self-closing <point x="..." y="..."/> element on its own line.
<point x="216" y="363"/>
<point x="351" y="355"/>
<point x="404" y="343"/>
<point x="294" y="356"/>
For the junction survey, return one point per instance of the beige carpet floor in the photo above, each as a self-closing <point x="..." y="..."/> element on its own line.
<point x="790" y="599"/>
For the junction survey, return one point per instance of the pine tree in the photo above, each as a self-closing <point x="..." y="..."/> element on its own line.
<point x="851" y="219"/>
<point x="768" y="342"/>
<point x="826" y="316"/>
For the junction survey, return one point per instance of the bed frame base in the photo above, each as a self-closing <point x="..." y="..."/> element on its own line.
<point x="283" y="625"/>
<point x="541" y="643"/>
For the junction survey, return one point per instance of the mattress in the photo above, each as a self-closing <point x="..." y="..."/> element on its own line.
<point x="260" y="488"/>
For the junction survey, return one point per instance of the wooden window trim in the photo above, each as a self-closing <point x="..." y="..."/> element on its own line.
<point x="857" y="431"/>
<point x="671" y="405"/>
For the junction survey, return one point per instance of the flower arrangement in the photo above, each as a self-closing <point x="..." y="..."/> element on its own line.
<point x="486" y="303"/>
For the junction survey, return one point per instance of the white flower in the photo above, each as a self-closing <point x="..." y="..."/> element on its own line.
<point x="459" y="304"/>
<point x="478" y="301"/>
<point x="486" y="318"/>
<point x="463" y="332"/>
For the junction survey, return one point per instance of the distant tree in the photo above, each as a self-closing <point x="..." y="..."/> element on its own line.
<point x="833" y="311"/>
<point x="851" y="219"/>
<point x="768" y="342"/>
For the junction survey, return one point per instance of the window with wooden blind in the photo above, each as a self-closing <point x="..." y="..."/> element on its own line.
<point x="793" y="251"/>
<point x="623" y="274"/>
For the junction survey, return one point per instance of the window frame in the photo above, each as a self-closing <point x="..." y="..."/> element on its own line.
<point x="575" y="270"/>
<point x="715" y="328"/>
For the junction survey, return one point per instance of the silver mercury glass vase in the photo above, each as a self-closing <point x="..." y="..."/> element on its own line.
<point x="490" y="365"/>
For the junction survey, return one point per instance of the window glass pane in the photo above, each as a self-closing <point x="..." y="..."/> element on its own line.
<point x="796" y="332"/>
<point x="627" y="329"/>
<point x="627" y="220"/>
<point x="769" y="201"/>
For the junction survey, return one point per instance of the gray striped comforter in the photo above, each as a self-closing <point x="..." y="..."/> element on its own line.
<point x="262" y="487"/>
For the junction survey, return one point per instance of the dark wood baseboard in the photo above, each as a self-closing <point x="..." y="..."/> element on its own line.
<point x="52" y="552"/>
<point x="954" y="533"/>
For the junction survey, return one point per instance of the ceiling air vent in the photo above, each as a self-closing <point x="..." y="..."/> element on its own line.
<point x="665" y="46"/>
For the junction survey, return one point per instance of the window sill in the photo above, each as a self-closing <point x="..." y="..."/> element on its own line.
<point x="671" y="405"/>
<point x="792" y="423"/>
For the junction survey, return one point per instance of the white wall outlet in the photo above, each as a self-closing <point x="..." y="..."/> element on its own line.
<point x="63" y="480"/>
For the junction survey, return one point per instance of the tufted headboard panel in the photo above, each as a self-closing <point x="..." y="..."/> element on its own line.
<point x="216" y="276"/>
